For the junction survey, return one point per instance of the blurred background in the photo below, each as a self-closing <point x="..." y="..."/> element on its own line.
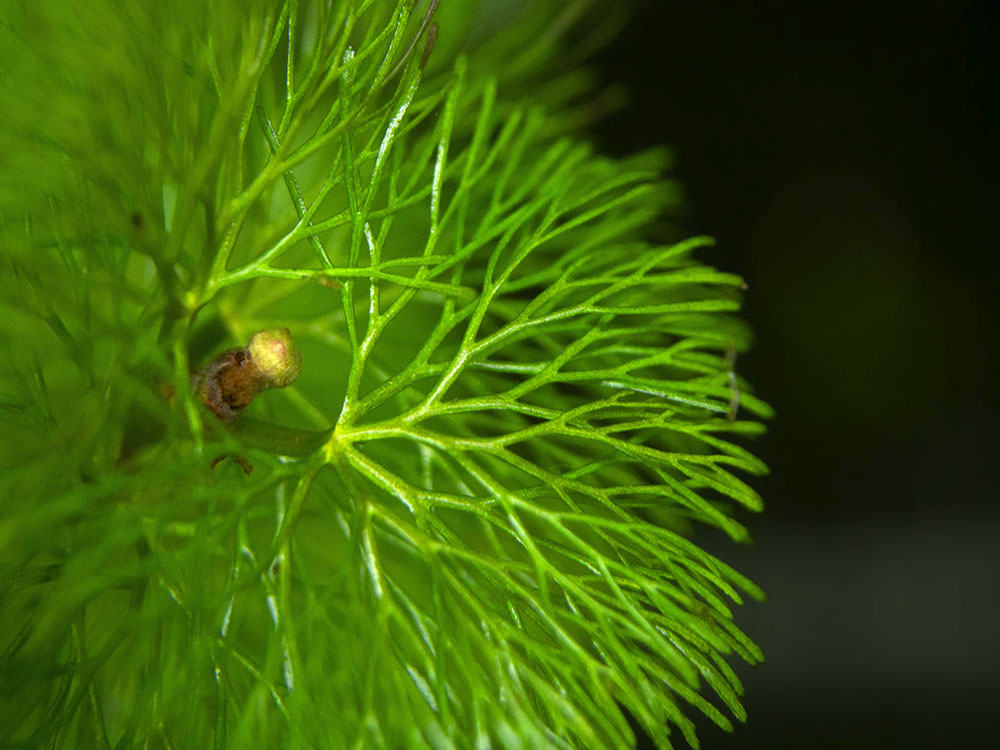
<point x="846" y="157"/>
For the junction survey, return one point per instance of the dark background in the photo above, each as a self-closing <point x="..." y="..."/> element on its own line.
<point x="846" y="158"/>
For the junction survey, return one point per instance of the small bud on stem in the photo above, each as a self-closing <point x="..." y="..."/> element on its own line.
<point x="234" y="378"/>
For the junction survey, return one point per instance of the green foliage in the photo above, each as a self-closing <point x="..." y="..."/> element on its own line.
<point x="464" y="526"/>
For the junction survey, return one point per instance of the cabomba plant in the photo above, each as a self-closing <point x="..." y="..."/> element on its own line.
<point x="464" y="522"/>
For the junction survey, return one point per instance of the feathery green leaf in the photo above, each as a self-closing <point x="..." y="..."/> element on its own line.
<point x="465" y="524"/>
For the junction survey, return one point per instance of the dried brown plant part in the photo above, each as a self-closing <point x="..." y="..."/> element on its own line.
<point x="228" y="383"/>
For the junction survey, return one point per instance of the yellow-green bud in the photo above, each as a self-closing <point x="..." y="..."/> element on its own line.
<point x="273" y="353"/>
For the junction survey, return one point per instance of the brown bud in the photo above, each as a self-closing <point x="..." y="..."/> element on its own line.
<point x="234" y="378"/>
